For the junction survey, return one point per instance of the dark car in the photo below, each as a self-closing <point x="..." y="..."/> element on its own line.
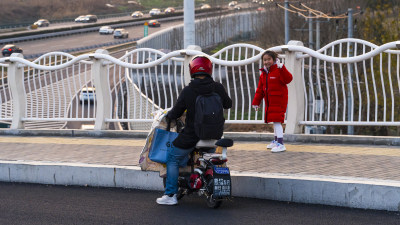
<point x="89" y="19"/>
<point x="154" y="23"/>
<point x="7" y="50"/>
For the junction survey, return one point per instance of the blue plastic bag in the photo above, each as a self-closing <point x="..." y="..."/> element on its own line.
<point x="162" y="144"/>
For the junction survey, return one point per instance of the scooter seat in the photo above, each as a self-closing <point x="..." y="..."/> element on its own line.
<point x="224" y="142"/>
<point x="206" y="144"/>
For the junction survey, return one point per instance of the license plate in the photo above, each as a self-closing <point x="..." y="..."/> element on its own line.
<point x="222" y="182"/>
<point x="221" y="170"/>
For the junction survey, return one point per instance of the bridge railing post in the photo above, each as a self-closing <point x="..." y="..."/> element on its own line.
<point x="296" y="103"/>
<point x="102" y="90"/>
<point x="16" y="84"/>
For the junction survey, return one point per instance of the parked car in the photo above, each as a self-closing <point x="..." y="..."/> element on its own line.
<point x="7" y="50"/>
<point x="89" y="19"/>
<point x="42" y="23"/>
<point x="137" y="14"/>
<point x="154" y="23"/>
<point x="106" y="30"/>
<point x="154" y="12"/>
<point x="79" y="19"/>
<point x="205" y="6"/>
<point x="121" y="33"/>
<point x="87" y="94"/>
<point x="169" y="10"/>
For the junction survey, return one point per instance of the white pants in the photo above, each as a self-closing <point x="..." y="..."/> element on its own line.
<point x="278" y="130"/>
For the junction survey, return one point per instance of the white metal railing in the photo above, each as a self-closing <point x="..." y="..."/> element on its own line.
<point x="6" y="108"/>
<point x="330" y="86"/>
<point x="352" y="82"/>
<point x="51" y="94"/>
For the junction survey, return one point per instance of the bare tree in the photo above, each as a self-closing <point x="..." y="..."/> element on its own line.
<point x="272" y="31"/>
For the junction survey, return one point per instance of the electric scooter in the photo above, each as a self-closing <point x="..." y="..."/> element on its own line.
<point x="209" y="175"/>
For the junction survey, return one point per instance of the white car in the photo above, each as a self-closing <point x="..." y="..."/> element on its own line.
<point x="205" y="6"/>
<point x="154" y="12"/>
<point x="42" y="23"/>
<point x="232" y="3"/>
<point x="79" y="19"/>
<point x="137" y="14"/>
<point x="87" y="94"/>
<point x="106" y="30"/>
<point x="121" y="33"/>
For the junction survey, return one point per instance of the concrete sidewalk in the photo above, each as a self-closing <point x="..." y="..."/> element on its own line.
<point x="360" y="176"/>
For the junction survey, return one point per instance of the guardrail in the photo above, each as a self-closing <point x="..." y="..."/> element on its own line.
<point x="129" y="88"/>
<point x="76" y="31"/>
<point x="14" y="37"/>
<point x="104" y="16"/>
<point x="66" y="20"/>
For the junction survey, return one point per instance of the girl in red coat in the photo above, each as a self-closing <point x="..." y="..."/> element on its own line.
<point x="272" y="87"/>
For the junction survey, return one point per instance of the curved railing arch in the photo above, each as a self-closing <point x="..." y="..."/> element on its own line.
<point x="230" y="47"/>
<point x="347" y="40"/>
<point x="386" y="48"/>
<point x="312" y="53"/>
<point x="46" y="67"/>
<point x="54" y="54"/>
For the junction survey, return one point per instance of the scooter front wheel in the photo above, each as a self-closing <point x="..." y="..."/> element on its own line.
<point x="213" y="203"/>
<point x="180" y="193"/>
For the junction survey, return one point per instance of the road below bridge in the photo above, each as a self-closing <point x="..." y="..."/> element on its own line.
<point x="85" y="39"/>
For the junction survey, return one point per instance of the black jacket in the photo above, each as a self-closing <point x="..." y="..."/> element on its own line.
<point x="187" y="100"/>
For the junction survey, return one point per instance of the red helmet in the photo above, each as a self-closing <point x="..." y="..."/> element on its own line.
<point x="200" y="65"/>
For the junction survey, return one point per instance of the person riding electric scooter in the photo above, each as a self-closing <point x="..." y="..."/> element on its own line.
<point x="201" y="84"/>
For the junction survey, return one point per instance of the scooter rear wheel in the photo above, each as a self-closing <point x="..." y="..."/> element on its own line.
<point x="213" y="203"/>
<point x="180" y="193"/>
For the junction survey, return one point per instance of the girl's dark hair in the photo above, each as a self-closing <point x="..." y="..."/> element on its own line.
<point x="273" y="54"/>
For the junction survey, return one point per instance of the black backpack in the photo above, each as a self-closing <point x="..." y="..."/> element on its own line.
<point x="209" y="117"/>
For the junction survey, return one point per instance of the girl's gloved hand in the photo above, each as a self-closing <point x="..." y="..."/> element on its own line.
<point x="279" y="64"/>
<point x="255" y="107"/>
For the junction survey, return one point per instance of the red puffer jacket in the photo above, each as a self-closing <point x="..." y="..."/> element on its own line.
<point x="272" y="87"/>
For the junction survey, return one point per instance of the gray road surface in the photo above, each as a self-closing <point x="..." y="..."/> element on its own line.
<point x="40" y="204"/>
